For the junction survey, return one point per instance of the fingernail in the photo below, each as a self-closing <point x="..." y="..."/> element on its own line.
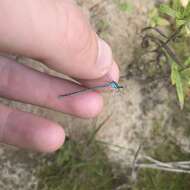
<point x="104" y="60"/>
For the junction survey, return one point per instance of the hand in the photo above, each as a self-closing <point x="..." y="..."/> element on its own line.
<point x="55" y="32"/>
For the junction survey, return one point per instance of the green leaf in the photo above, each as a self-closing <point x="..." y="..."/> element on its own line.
<point x="180" y="92"/>
<point x="166" y="9"/>
<point x="180" y="22"/>
<point x="187" y="61"/>
<point x="187" y="31"/>
<point x="185" y="75"/>
<point x="177" y="81"/>
<point x="156" y="19"/>
<point x="176" y="4"/>
<point x="173" y="74"/>
<point x="162" y="22"/>
<point x="153" y="13"/>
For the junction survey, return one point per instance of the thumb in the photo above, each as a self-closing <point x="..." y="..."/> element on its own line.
<point x="55" y="32"/>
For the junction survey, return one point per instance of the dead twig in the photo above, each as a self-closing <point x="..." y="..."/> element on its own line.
<point x="162" y="45"/>
<point x="177" y="167"/>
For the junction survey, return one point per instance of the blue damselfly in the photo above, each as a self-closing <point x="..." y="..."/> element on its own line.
<point x="113" y="85"/>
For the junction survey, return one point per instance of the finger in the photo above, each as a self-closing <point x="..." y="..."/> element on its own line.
<point x="27" y="131"/>
<point x="112" y="75"/>
<point x="55" y="32"/>
<point x="27" y="85"/>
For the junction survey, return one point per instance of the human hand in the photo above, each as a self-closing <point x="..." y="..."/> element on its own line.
<point x="55" y="32"/>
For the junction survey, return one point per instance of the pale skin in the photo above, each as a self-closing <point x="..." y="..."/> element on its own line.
<point x="58" y="34"/>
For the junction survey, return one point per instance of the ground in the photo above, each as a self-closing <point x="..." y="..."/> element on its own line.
<point x="134" y="110"/>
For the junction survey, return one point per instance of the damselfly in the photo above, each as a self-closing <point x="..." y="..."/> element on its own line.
<point x="113" y="85"/>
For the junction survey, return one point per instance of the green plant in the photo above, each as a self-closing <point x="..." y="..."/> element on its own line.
<point x="78" y="166"/>
<point x="175" y="18"/>
<point x="156" y="19"/>
<point x="180" y="15"/>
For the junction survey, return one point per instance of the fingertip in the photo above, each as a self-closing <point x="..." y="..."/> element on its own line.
<point x="113" y="73"/>
<point x="88" y="105"/>
<point x="49" y="139"/>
